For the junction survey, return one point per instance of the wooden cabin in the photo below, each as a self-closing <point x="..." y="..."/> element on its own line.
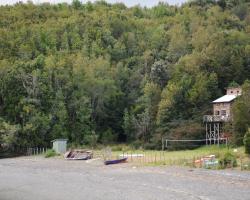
<point x="222" y="107"/>
<point x="222" y="113"/>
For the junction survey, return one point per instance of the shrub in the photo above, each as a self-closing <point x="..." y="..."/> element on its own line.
<point x="91" y="139"/>
<point x="50" y="153"/>
<point x="228" y="160"/>
<point x="137" y="144"/>
<point x="247" y="141"/>
<point x="116" y="148"/>
<point x="152" y="146"/>
<point x="108" y="137"/>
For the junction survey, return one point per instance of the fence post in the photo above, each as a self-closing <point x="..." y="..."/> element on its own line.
<point x="164" y="157"/>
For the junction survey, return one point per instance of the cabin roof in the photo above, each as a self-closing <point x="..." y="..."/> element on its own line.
<point x="225" y="99"/>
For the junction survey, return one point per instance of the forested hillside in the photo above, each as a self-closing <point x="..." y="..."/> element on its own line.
<point x="105" y="73"/>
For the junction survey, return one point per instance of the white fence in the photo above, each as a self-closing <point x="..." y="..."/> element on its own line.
<point x="36" y="151"/>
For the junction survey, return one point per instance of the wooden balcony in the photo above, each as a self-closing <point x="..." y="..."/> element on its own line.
<point x="216" y="118"/>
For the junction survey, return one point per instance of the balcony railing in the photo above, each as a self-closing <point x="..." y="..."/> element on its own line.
<point x="216" y="118"/>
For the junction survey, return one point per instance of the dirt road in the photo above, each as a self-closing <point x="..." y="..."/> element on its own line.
<point x="36" y="178"/>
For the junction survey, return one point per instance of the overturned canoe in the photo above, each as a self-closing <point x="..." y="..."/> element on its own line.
<point x="111" y="162"/>
<point x="78" y="155"/>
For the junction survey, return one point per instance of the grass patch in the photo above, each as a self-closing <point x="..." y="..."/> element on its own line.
<point x="203" y="151"/>
<point x="50" y="153"/>
<point x="179" y="158"/>
<point x="173" y="158"/>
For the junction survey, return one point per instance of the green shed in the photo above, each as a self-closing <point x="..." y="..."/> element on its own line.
<point x="60" y="145"/>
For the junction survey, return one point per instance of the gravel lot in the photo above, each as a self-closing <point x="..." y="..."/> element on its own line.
<point x="36" y="178"/>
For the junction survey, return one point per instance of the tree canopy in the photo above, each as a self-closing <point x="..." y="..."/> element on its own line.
<point x="115" y="74"/>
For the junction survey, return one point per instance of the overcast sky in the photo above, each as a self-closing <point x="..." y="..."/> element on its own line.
<point x="148" y="3"/>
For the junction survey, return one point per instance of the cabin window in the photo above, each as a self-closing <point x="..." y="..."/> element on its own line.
<point x="217" y="112"/>
<point x="224" y="112"/>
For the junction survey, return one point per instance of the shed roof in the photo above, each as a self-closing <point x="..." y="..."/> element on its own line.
<point x="225" y="99"/>
<point x="60" y="139"/>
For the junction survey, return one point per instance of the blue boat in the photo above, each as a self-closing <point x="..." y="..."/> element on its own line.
<point x="111" y="162"/>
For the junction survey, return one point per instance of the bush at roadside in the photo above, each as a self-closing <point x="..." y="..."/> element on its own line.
<point x="50" y="153"/>
<point x="247" y="142"/>
<point x="228" y="160"/>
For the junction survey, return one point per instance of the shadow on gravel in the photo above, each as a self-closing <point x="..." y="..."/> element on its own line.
<point x="10" y="154"/>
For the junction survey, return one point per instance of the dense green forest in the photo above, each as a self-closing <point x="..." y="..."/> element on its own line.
<point x="105" y="73"/>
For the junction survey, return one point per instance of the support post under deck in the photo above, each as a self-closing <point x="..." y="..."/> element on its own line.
<point x="213" y="133"/>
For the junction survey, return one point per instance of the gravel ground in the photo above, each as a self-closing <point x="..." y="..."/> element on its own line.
<point x="36" y="178"/>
